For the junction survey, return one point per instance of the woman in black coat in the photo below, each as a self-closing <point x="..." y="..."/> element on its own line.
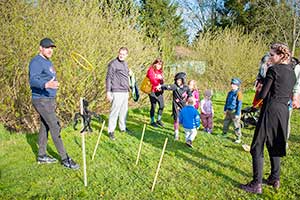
<point x="273" y="120"/>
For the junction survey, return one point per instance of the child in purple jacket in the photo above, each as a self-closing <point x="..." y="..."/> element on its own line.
<point x="207" y="112"/>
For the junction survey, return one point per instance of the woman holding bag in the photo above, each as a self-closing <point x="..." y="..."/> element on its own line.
<point x="155" y="75"/>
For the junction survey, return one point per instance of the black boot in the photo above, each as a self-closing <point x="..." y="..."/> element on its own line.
<point x="252" y="187"/>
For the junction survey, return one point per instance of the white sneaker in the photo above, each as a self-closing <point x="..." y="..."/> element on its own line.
<point x="238" y="141"/>
<point x="176" y="136"/>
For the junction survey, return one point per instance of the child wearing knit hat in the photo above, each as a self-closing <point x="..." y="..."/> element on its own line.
<point x="232" y="109"/>
<point x="207" y="112"/>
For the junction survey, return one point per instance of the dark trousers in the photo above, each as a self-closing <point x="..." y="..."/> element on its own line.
<point x="48" y="122"/>
<point x="258" y="164"/>
<point x="156" y="97"/>
<point x="257" y="153"/>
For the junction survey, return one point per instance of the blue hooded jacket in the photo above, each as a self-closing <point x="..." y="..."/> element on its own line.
<point x="41" y="71"/>
<point x="234" y="101"/>
<point x="189" y="117"/>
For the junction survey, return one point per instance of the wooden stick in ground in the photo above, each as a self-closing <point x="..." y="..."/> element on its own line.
<point x="158" y="167"/>
<point x="83" y="145"/>
<point x="140" y="148"/>
<point x="98" y="140"/>
<point x="84" y="159"/>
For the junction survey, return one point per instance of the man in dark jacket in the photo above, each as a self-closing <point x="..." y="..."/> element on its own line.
<point x="44" y="85"/>
<point x="117" y="91"/>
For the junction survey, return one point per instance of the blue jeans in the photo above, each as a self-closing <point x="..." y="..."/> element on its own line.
<point x="48" y="122"/>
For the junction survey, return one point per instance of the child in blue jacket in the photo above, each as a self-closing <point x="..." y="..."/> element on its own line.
<point x="232" y="109"/>
<point x="190" y="119"/>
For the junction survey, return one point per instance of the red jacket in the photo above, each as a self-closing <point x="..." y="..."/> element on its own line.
<point x="156" y="77"/>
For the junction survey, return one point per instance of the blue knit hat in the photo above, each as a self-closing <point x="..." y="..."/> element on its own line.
<point x="236" y="81"/>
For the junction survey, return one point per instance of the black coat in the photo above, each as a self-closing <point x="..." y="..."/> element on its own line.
<point x="273" y="120"/>
<point x="180" y="95"/>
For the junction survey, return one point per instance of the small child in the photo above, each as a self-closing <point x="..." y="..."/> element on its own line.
<point x="195" y="92"/>
<point x="264" y="64"/>
<point x="232" y="109"/>
<point x="190" y="120"/>
<point x="180" y="94"/>
<point x="207" y="111"/>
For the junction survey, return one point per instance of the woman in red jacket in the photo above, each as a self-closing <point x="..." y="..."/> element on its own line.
<point x="155" y="74"/>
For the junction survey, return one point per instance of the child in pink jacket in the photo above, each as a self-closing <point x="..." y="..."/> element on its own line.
<point x="195" y="92"/>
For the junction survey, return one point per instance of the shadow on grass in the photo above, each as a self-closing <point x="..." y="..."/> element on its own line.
<point x="156" y="137"/>
<point x="215" y="172"/>
<point x="32" y="140"/>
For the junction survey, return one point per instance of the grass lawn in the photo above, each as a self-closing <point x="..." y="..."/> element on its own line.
<point x="213" y="169"/>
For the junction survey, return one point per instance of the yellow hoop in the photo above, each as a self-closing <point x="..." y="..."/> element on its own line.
<point x="88" y="67"/>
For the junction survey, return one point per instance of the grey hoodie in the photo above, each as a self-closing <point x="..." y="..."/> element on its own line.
<point x="117" y="77"/>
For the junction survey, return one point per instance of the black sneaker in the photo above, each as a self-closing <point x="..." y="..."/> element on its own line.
<point x="45" y="159"/>
<point x="159" y="122"/>
<point x="154" y="124"/>
<point x="69" y="163"/>
<point x="112" y="136"/>
<point x="189" y="143"/>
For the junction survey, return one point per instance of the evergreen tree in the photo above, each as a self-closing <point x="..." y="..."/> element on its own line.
<point x="162" y="23"/>
<point x="235" y="13"/>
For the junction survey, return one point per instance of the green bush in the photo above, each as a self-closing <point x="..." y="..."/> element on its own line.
<point x="92" y="29"/>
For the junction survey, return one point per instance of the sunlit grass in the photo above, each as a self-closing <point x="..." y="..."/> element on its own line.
<point x="213" y="169"/>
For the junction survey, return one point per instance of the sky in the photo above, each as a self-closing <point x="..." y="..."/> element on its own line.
<point x="191" y="11"/>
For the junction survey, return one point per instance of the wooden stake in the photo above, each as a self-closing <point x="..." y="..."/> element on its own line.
<point x="140" y="148"/>
<point x="98" y="140"/>
<point x="84" y="159"/>
<point x="158" y="167"/>
<point x="83" y="145"/>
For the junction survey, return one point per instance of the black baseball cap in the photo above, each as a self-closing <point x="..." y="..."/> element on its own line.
<point x="46" y="43"/>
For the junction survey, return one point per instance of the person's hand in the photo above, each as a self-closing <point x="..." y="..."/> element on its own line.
<point x="225" y="112"/>
<point x="296" y="102"/>
<point x="259" y="87"/>
<point x="158" y="87"/>
<point x="159" y="76"/>
<point x="130" y="72"/>
<point x="52" y="84"/>
<point x="109" y="96"/>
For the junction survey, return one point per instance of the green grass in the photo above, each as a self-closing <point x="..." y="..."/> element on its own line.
<point x="213" y="169"/>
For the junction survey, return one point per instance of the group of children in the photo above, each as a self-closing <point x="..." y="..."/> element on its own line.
<point x="186" y="103"/>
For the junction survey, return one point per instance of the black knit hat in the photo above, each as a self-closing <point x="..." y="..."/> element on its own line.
<point x="180" y="75"/>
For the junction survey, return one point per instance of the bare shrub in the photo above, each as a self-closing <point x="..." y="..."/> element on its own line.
<point x="79" y="26"/>
<point x="229" y="53"/>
